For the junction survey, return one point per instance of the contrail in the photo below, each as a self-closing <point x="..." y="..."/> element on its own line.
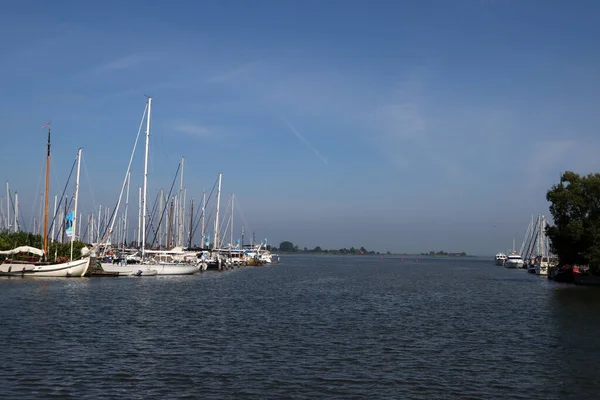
<point x="305" y="141"/>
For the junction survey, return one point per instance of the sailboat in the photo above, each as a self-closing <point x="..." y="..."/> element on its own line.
<point x="148" y="267"/>
<point x="35" y="263"/>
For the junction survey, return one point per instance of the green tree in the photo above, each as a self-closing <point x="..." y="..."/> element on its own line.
<point x="318" y="249"/>
<point x="575" y="208"/>
<point x="286" y="247"/>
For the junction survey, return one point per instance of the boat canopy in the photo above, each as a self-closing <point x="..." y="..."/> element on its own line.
<point x="24" y="249"/>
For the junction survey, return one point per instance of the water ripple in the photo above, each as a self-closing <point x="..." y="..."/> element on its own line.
<point x="312" y="327"/>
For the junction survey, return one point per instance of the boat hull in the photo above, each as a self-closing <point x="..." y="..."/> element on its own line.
<point x="175" y="269"/>
<point x="129" y="269"/>
<point x="76" y="268"/>
<point x="513" y="263"/>
<point x="541" y="269"/>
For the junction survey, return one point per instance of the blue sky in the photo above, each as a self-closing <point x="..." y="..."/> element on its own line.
<point x="395" y="125"/>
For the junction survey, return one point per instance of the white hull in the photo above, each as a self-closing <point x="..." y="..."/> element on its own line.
<point x="175" y="269"/>
<point x="129" y="269"/>
<point x="500" y="258"/>
<point x="512" y="263"/>
<point x="541" y="269"/>
<point x="76" y="268"/>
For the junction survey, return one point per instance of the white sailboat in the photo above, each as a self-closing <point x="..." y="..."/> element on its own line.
<point x="122" y="266"/>
<point x="40" y="267"/>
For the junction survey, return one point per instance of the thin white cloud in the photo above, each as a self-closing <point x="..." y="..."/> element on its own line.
<point x="229" y="75"/>
<point x="303" y="140"/>
<point x="192" y="130"/>
<point x="122" y="62"/>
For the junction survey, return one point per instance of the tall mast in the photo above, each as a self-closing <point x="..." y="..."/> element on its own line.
<point x="46" y="193"/>
<point x="126" y="208"/>
<point x="181" y="208"/>
<point x="139" y="227"/>
<point x="231" y="241"/>
<point x="16" y="212"/>
<point x="169" y="224"/>
<point x="203" y="236"/>
<point x="145" y="178"/>
<point x="74" y="227"/>
<point x="191" y="223"/>
<point x="161" y="196"/>
<point x="7" y="207"/>
<point x="216" y="233"/>
<point x="54" y="217"/>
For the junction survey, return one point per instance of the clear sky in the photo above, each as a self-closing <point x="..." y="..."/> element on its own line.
<point x="405" y="126"/>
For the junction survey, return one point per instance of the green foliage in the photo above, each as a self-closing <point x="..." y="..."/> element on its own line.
<point x="287" y="247"/>
<point x="62" y="251"/>
<point x="575" y="208"/>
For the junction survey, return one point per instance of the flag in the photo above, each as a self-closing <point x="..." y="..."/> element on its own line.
<point x="69" y="224"/>
<point x="47" y="124"/>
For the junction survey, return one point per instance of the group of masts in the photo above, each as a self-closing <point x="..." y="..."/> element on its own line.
<point x="172" y="229"/>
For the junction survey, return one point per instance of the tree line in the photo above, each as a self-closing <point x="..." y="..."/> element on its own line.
<point x="289" y="247"/>
<point x="575" y="209"/>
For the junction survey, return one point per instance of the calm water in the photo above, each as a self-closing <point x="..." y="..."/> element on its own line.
<point x="311" y="327"/>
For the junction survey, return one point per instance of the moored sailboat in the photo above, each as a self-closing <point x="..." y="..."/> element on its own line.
<point x="35" y="263"/>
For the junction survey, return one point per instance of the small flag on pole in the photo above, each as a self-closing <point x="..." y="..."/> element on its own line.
<point x="47" y="124"/>
<point x="69" y="224"/>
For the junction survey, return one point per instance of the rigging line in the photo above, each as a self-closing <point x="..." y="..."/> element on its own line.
<point x="37" y="192"/>
<point x="153" y="214"/>
<point x="223" y="222"/>
<point x="14" y="209"/>
<point x="63" y="193"/>
<point x="168" y="197"/>
<point x="89" y="184"/>
<point x="200" y="210"/>
<point x="116" y="208"/>
<point x="239" y="208"/>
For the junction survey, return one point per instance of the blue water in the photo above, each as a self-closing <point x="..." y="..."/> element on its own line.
<point x="347" y="327"/>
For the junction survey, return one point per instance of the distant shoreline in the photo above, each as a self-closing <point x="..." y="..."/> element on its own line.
<point x="377" y="254"/>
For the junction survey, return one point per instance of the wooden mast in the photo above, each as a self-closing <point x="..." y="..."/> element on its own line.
<point x="46" y="194"/>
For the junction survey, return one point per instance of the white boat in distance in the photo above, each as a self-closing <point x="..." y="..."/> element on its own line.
<point x="514" y="260"/>
<point x="500" y="258"/>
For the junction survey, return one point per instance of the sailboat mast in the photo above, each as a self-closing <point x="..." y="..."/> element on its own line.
<point x="139" y="227"/>
<point x="46" y="194"/>
<point x="216" y="233"/>
<point x="191" y="223"/>
<point x="126" y="208"/>
<point x="181" y="208"/>
<point x="74" y="227"/>
<point x="16" y="212"/>
<point x="203" y="235"/>
<point x="7" y="207"/>
<point x="143" y="229"/>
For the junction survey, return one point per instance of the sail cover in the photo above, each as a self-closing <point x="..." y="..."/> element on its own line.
<point x="24" y="249"/>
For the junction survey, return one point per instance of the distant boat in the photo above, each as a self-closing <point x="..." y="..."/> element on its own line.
<point x="500" y="258"/>
<point x="514" y="260"/>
